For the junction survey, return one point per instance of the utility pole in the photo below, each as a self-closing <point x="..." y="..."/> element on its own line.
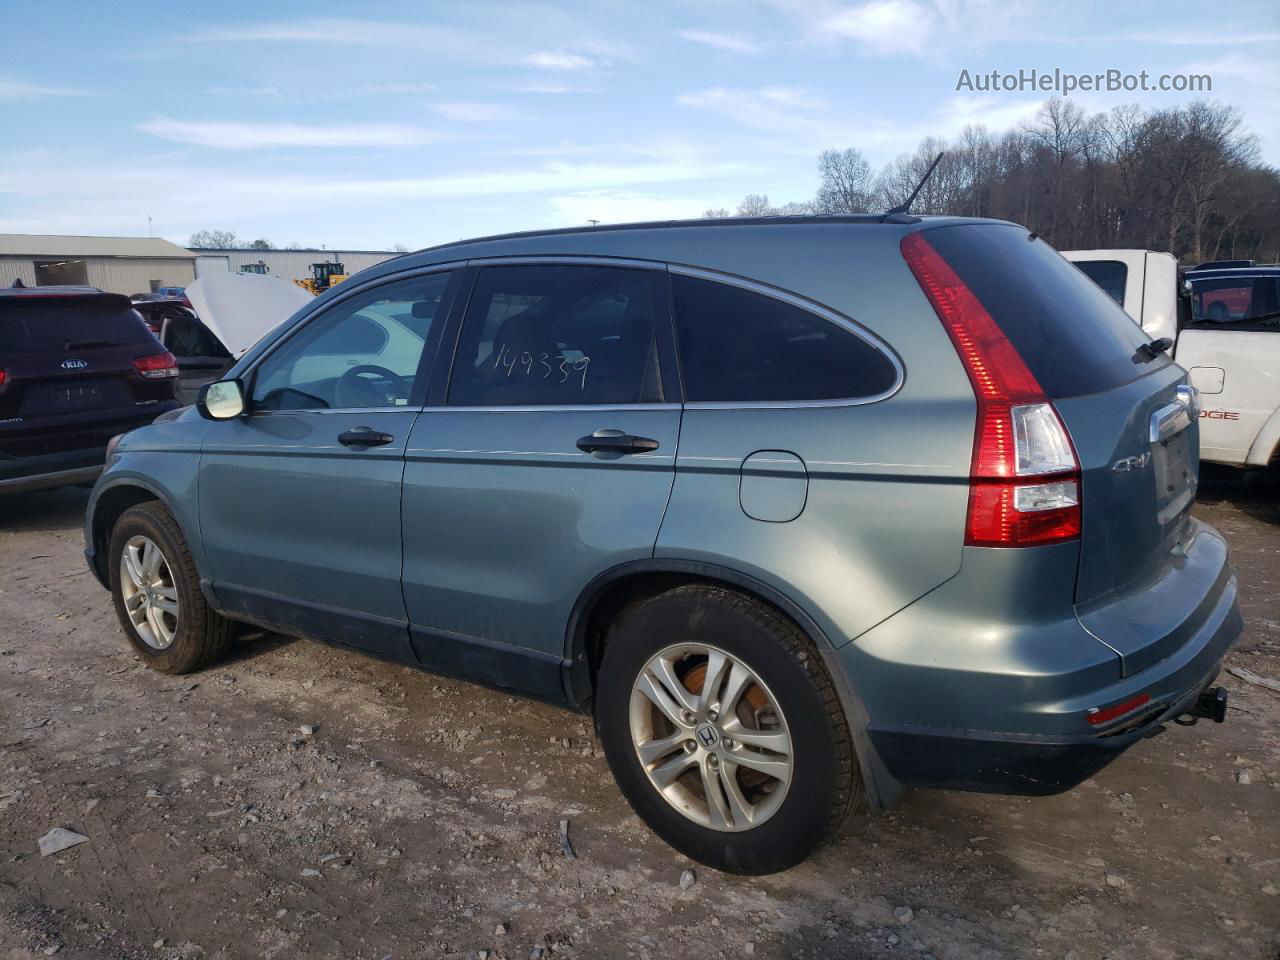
<point x="149" y="233"/>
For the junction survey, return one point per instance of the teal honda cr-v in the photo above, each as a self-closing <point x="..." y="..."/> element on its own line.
<point x="803" y="510"/>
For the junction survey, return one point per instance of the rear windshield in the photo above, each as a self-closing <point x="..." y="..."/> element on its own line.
<point x="58" y="324"/>
<point x="1073" y="337"/>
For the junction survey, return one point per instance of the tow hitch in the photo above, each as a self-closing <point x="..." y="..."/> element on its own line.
<point x="1211" y="705"/>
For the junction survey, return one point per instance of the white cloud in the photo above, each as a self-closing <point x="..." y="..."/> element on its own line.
<point x="472" y="112"/>
<point x="769" y="108"/>
<point x="100" y="197"/>
<point x="732" y="42"/>
<point x="11" y="90"/>
<point x="995" y="113"/>
<point x="885" y="26"/>
<point x="343" y="30"/>
<point x="321" y="95"/>
<point x="547" y="88"/>
<point x="614" y="206"/>
<point x="252" y="136"/>
<point x="547" y="60"/>
<point x="1202" y="38"/>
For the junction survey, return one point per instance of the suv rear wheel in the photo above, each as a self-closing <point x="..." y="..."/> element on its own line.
<point x="723" y="729"/>
<point x="157" y="594"/>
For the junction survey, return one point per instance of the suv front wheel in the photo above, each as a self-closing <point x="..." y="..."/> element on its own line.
<point x="723" y="729"/>
<point x="157" y="594"/>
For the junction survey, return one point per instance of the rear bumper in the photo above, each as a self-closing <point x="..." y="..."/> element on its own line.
<point x="1019" y="765"/>
<point x="57" y="451"/>
<point x="1036" y="765"/>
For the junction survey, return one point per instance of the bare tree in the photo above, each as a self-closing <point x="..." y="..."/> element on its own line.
<point x="846" y="182"/>
<point x="213" y="239"/>
<point x="716" y="213"/>
<point x="1184" y="179"/>
<point x="755" y="205"/>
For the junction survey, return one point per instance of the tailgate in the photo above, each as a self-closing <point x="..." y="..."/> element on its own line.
<point x="1148" y="572"/>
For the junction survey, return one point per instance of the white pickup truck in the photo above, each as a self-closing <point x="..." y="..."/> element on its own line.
<point x="1223" y="320"/>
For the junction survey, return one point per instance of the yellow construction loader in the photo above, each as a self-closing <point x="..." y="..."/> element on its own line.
<point x="323" y="276"/>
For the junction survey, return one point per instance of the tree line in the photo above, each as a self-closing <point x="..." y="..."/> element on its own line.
<point x="1188" y="180"/>
<point x="230" y="240"/>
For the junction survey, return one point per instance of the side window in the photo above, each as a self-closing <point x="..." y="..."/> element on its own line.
<point x="362" y="352"/>
<point x="1110" y="275"/>
<point x="1233" y="300"/>
<point x="737" y="345"/>
<point x="559" y="334"/>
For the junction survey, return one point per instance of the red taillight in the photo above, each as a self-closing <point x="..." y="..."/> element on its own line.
<point x="3" y="377"/>
<point x="157" y="366"/>
<point x="1098" y="717"/>
<point x="1019" y="435"/>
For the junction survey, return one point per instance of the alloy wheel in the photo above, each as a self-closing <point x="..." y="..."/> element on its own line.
<point x="711" y="737"/>
<point x="149" y="593"/>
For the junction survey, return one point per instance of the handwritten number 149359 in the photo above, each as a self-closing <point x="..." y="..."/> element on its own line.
<point x="544" y="366"/>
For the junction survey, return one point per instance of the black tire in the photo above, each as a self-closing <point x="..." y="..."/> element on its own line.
<point x="826" y="783"/>
<point x="202" y="636"/>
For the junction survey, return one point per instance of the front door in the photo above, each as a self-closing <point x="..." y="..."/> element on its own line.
<point x="550" y="463"/>
<point x="300" y="498"/>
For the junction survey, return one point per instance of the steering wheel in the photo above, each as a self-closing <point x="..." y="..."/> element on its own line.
<point x="352" y="390"/>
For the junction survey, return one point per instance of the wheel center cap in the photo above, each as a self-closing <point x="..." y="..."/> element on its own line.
<point x="707" y="735"/>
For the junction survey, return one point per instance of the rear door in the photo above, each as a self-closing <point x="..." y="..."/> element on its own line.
<point x="550" y="462"/>
<point x="300" y="498"/>
<point x="70" y="381"/>
<point x="1140" y="577"/>
<point x="1234" y="358"/>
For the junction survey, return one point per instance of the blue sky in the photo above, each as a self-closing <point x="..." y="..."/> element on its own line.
<point x="366" y="125"/>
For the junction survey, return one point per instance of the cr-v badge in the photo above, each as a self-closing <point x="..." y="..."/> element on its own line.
<point x="1131" y="463"/>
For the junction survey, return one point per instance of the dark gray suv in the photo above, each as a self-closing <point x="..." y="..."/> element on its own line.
<point x="803" y="510"/>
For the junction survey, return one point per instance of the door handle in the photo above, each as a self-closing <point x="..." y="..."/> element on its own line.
<point x="364" y="437"/>
<point x="615" y="441"/>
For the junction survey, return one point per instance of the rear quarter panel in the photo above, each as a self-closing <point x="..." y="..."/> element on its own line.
<point x="883" y="520"/>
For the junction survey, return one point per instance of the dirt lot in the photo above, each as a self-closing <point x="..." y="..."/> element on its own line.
<point x="420" y="817"/>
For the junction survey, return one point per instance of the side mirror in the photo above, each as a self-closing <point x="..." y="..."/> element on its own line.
<point x="221" y="400"/>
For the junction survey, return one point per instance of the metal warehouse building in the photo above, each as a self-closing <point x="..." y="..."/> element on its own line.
<point x="125" y="265"/>
<point x="285" y="264"/>
<point x="132" y="265"/>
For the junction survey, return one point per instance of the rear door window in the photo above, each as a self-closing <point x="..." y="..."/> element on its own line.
<point x="1110" y="275"/>
<point x="38" y="324"/>
<point x="1235" y="301"/>
<point x="560" y="334"/>
<point x="743" y="346"/>
<point x="1072" y="336"/>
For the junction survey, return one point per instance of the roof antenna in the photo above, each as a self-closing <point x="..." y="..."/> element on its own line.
<point x="906" y="207"/>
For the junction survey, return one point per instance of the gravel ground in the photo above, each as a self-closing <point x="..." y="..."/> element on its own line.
<point x="301" y="800"/>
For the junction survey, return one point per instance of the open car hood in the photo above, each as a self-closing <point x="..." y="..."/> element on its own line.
<point x="241" y="307"/>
